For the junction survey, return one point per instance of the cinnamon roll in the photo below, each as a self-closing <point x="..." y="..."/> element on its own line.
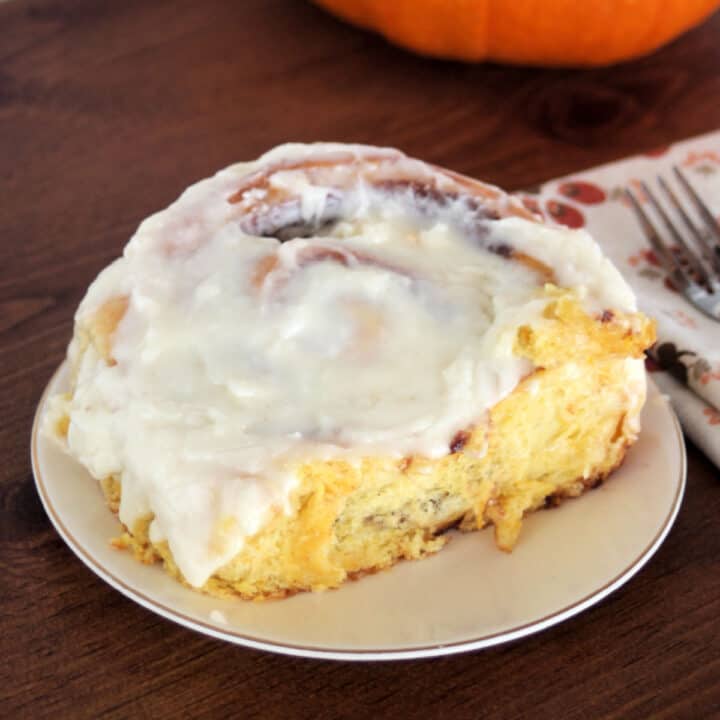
<point x="309" y="366"/>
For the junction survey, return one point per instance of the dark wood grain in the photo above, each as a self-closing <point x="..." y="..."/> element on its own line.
<point x="109" y="109"/>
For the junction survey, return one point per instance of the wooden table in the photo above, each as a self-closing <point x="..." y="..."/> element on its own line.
<point x="107" y="110"/>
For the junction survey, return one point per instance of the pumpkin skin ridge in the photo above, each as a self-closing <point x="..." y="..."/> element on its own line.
<point x="551" y="33"/>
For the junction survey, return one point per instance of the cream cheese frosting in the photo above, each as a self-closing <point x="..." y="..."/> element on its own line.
<point x="382" y="324"/>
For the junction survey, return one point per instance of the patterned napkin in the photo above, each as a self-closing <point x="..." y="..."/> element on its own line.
<point x="685" y="361"/>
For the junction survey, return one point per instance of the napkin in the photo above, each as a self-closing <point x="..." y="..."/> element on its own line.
<point x="685" y="360"/>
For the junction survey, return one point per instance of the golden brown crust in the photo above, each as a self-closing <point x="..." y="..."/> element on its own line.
<point x="146" y="552"/>
<point x="105" y="323"/>
<point x="569" y="333"/>
<point x="348" y="521"/>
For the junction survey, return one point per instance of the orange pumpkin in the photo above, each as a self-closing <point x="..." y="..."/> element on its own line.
<point x="532" y="32"/>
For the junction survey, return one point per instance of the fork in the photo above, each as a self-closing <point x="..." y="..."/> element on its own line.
<point x="694" y="267"/>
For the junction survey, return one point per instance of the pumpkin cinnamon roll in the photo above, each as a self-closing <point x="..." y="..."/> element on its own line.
<point x="310" y="366"/>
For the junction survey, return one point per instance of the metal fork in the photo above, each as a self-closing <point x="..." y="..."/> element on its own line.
<point x="694" y="266"/>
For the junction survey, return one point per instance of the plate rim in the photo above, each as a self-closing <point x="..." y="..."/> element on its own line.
<point x="350" y="654"/>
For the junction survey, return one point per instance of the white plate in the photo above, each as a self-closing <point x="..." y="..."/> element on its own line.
<point x="466" y="597"/>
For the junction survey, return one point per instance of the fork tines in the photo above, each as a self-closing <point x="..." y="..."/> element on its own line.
<point x="692" y="257"/>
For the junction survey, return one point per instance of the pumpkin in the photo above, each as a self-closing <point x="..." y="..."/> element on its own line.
<point x="531" y="32"/>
